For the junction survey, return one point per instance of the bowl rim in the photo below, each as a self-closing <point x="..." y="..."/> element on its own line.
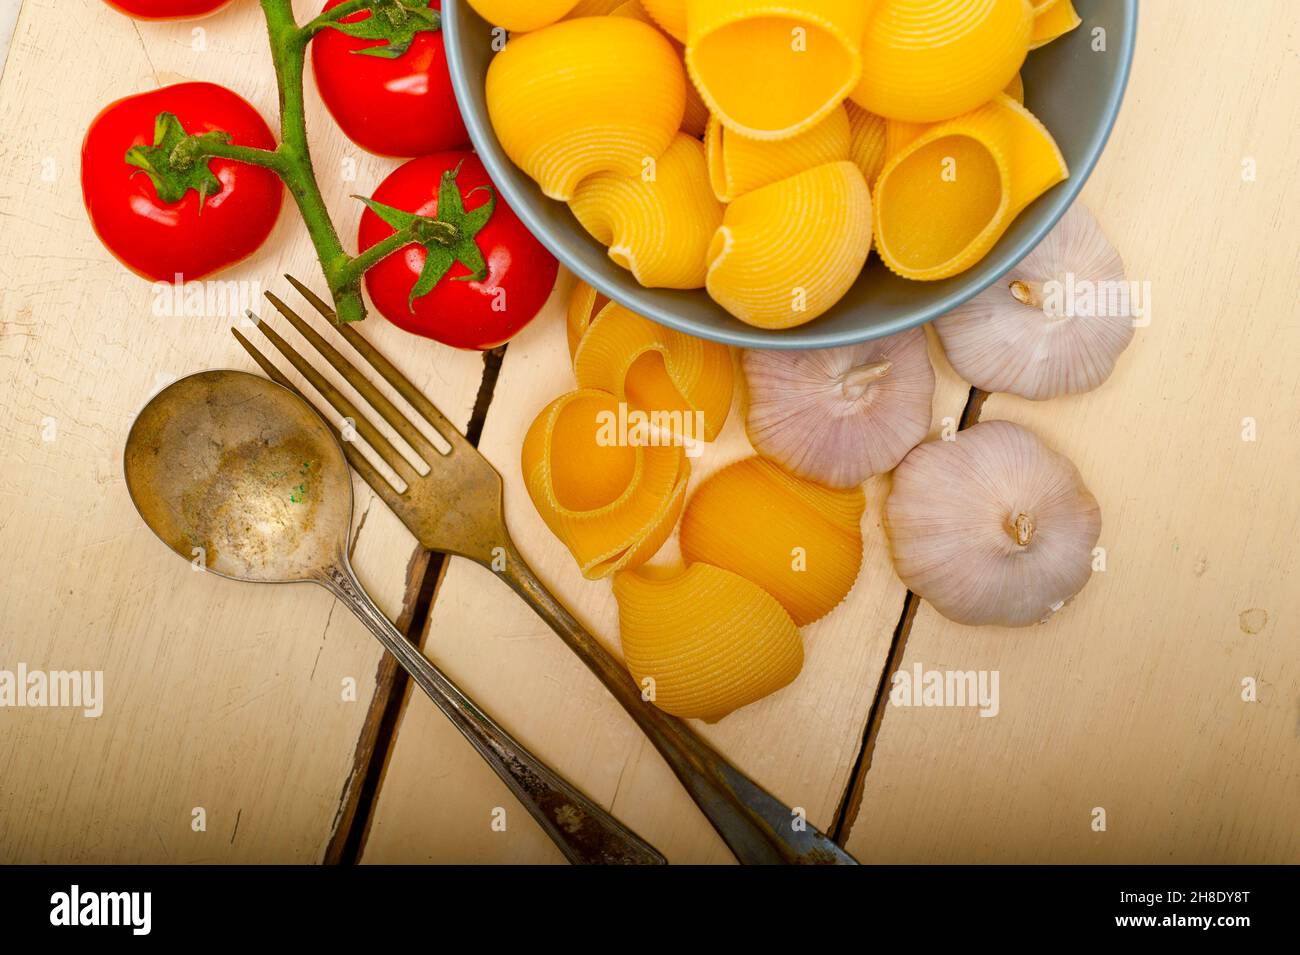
<point x="1059" y="199"/>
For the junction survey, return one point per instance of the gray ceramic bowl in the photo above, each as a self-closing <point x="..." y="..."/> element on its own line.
<point x="1075" y="91"/>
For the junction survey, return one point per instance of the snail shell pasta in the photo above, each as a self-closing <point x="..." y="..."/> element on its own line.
<point x="786" y="253"/>
<point x="519" y="16"/>
<point x="659" y="224"/>
<point x="587" y="96"/>
<point x="799" y="541"/>
<point x="612" y="505"/>
<point x="657" y="369"/>
<point x="772" y="70"/>
<point x="709" y="640"/>
<point x="944" y="200"/>
<point x="929" y="60"/>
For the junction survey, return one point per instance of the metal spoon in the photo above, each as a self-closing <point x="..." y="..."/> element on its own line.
<point x="241" y="474"/>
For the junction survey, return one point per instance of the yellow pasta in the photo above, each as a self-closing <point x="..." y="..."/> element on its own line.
<point x="1052" y="19"/>
<point x="929" y="60"/>
<point x="658" y="223"/>
<point x="595" y="8"/>
<point x="682" y="382"/>
<point x="669" y="14"/>
<point x="696" y="117"/>
<point x="788" y="252"/>
<point x="522" y="15"/>
<point x="738" y="165"/>
<point x="867" y="142"/>
<point x="585" y="303"/>
<point x="942" y="203"/>
<point x="588" y="96"/>
<point x="705" y="642"/>
<point x="799" y="541"/>
<point x="612" y="503"/>
<point x="899" y="134"/>
<point x="772" y="70"/>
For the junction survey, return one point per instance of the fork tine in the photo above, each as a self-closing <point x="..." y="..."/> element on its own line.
<point x="401" y="384"/>
<point x="369" y="473"/>
<point x="387" y="410"/>
<point x="391" y="456"/>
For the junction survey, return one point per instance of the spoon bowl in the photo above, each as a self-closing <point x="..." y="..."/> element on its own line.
<point x="240" y="473"/>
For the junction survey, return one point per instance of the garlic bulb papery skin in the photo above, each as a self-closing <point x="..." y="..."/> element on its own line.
<point x="839" y="415"/>
<point x="1054" y="325"/>
<point x="993" y="528"/>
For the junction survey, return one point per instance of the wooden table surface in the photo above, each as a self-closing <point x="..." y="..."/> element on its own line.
<point x="233" y="699"/>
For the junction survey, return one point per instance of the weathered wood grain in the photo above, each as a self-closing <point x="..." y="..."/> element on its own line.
<point x="218" y="695"/>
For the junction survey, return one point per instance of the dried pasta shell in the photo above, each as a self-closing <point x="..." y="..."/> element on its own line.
<point x="788" y="252"/>
<point x="1052" y="19"/>
<point x="942" y="202"/>
<point x="665" y="373"/>
<point x="929" y="60"/>
<point x="612" y="504"/>
<point x="595" y="8"/>
<point x="519" y="16"/>
<point x="707" y="641"/>
<point x="669" y="14"/>
<point x="899" y="134"/>
<point x="772" y="70"/>
<point x="582" y="97"/>
<point x="738" y="165"/>
<point x="867" y="141"/>
<point x="696" y="118"/>
<point x="1016" y="89"/>
<point x="585" y="304"/>
<point x="658" y="224"/>
<point x="799" y="541"/>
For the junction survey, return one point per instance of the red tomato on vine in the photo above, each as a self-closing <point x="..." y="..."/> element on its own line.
<point x="161" y="225"/>
<point x="389" y="102"/>
<point x="167" y="9"/>
<point x="482" y="282"/>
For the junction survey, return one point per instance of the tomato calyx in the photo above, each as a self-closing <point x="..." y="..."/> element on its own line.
<point x="448" y="237"/>
<point x="397" y="21"/>
<point x="175" y="163"/>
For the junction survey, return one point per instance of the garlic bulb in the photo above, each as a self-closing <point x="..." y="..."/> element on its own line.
<point x="993" y="528"/>
<point x="840" y="415"/>
<point x="1054" y="325"/>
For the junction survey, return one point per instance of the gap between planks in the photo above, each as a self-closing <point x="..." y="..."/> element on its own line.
<point x="851" y="801"/>
<point x="424" y="578"/>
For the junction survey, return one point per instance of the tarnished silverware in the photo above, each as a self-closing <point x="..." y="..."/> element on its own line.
<point x="242" y="475"/>
<point x="456" y="508"/>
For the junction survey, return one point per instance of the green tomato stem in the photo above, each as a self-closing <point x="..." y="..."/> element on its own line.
<point x="334" y="16"/>
<point x="266" y="158"/>
<point x="288" y="55"/>
<point x="381" y="250"/>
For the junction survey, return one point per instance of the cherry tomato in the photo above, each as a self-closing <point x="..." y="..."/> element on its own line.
<point x="520" y="273"/>
<point x="167" y="9"/>
<point x="159" y="239"/>
<point x="399" y="107"/>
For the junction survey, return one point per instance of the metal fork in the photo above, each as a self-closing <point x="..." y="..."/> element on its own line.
<point x="457" y="508"/>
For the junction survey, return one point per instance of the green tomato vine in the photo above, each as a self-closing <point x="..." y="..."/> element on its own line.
<point x="177" y="161"/>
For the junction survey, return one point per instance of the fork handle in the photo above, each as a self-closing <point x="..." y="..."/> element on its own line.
<point x="582" y="830"/>
<point x="757" y="827"/>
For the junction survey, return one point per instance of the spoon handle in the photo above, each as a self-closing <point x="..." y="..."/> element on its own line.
<point x="582" y="830"/>
<point x="757" y="827"/>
